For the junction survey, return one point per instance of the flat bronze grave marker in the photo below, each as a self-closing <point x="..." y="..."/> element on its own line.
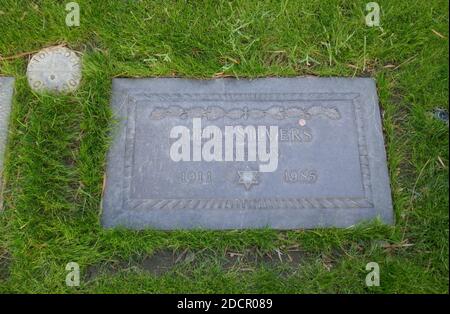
<point x="283" y="153"/>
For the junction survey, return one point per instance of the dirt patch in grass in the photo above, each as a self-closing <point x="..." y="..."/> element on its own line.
<point x="166" y="260"/>
<point x="159" y="263"/>
<point x="156" y="264"/>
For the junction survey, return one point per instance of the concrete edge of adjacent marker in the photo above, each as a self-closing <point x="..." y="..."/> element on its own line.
<point x="6" y="93"/>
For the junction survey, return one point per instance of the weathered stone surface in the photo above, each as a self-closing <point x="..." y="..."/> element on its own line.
<point x="6" y="92"/>
<point x="312" y="154"/>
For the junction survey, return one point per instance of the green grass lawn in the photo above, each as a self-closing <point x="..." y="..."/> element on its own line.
<point x="57" y="145"/>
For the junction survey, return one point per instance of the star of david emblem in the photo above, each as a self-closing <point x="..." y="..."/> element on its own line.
<point x="248" y="178"/>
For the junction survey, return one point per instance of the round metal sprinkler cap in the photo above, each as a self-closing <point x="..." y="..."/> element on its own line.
<point x="56" y="69"/>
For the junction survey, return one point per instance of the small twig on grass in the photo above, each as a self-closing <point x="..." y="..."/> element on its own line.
<point x="405" y="62"/>
<point x="441" y="162"/>
<point x="25" y="54"/>
<point x="279" y="255"/>
<point x="403" y="244"/>
<point x="222" y="75"/>
<point x="438" y="34"/>
<point x="19" y="55"/>
<point x="233" y="254"/>
<point x="181" y="256"/>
